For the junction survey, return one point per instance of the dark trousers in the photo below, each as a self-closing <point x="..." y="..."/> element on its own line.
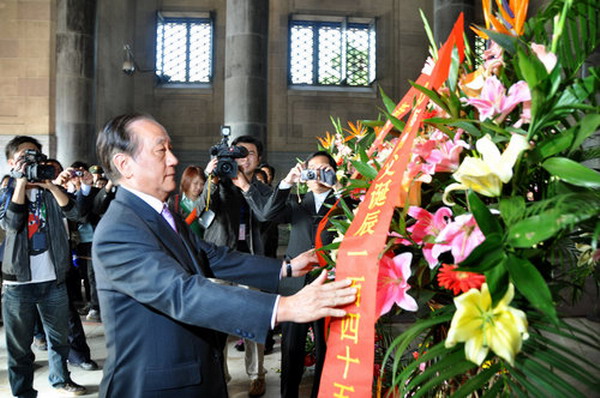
<point x="85" y="270"/>
<point x="79" y="350"/>
<point x="20" y="304"/>
<point x="293" y="342"/>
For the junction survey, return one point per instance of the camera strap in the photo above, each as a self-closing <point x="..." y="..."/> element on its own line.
<point x="209" y="190"/>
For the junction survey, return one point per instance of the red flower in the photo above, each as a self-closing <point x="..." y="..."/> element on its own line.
<point x="458" y="281"/>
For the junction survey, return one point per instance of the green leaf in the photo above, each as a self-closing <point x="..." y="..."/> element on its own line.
<point x="390" y="105"/>
<point x="432" y="96"/>
<point x="509" y="43"/>
<point x="532" y="69"/>
<point x="533" y="230"/>
<point x="487" y="255"/>
<point x="397" y="123"/>
<point x="373" y="123"/>
<point x="453" y="73"/>
<point x="554" y="145"/>
<point x="365" y="169"/>
<point x="512" y="209"/>
<point x="448" y="373"/>
<point x="486" y="221"/>
<point x="587" y="126"/>
<point x="528" y="280"/>
<point x="477" y="382"/>
<point x="497" y="280"/>
<point x="344" y="206"/>
<point x="429" y="33"/>
<point x="572" y="172"/>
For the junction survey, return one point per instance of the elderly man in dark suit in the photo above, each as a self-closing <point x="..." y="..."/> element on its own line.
<point x="163" y="316"/>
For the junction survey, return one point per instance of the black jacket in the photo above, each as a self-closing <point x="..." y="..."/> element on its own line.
<point x="285" y="208"/>
<point x="225" y="201"/>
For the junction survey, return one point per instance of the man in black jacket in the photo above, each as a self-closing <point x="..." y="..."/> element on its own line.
<point x="237" y="203"/>
<point x="304" y="217"/>
<point x="34" y="267"/>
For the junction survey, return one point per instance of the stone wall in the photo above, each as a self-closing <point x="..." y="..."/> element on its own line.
<point x="294" y="116"/>
<point x="26" y="67"/>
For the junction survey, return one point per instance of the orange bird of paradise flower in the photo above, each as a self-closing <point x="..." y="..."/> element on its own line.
<point x="356" y="131"/>
<point x="327" y="141"/>
<point x="509" y="20"/>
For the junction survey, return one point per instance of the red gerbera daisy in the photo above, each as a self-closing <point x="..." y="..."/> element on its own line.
<point x="458" y="281"/>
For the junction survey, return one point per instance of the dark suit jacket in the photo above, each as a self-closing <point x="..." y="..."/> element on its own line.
<point x="161" y="314"/>
<point x="304" y="220"/>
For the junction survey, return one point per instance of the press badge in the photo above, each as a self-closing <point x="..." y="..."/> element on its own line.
<point x="242" y="235"/>
<point x="39" y="243"/>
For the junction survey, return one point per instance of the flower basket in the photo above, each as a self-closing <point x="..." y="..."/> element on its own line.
<point x="495" y="212"/>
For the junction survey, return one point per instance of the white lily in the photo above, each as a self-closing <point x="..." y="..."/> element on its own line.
<point x="486" y="175"/>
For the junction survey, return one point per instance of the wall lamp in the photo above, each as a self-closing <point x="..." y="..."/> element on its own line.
<point x="129" y="65"/>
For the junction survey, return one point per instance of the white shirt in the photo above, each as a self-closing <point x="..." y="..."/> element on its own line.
<point x="319" y="197"/>
<point x="41" y="265"/>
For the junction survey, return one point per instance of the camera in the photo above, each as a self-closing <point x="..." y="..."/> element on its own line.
<point x="227" y="167"/>
<point x="35" y="170"/>
<point x="76" y="173"/>
<point x="327" y="176"/>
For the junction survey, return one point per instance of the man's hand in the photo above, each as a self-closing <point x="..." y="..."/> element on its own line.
<point x="211" y="166"/>
<point x="61" y="198"/>
<point x="241" y="181"/>
<point x="302" y="264"/>
<point x="294" y="175"/>
<point x="64" y="177"/>
<point x="316" y="301"/>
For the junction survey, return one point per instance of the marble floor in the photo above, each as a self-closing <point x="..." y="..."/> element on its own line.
<point x="238" y="387"/>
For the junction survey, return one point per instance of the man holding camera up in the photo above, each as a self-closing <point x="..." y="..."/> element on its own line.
<point x="34" y="267"/>
<point x="236" y="198"/>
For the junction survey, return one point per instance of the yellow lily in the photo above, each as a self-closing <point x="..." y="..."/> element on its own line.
<point x="486" y="175"/>
<point x="481" y="327"/>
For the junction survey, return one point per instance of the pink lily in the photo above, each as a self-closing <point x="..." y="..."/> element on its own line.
<point x="392" y="283"/>
<point x="548" y="58"/>
<point x="493" y="101"/>
<point x="493" y="58"/>
<point x="446" y="156"/>
<point x="460" y="237"/>
<point x="428" y="225"/>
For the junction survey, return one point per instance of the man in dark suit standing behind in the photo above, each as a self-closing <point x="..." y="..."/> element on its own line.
<point x="163" y="317"/>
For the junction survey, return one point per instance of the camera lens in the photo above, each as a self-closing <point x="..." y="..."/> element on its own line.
<point x="225" y="168"/>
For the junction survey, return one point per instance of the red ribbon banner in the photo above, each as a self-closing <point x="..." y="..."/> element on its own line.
<point x="348" y="369"/>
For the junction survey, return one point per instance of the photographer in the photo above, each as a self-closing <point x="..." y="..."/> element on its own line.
<point x="34" y="267"/>
<point x="318" y="172"/>
<point x="237" y="203"/>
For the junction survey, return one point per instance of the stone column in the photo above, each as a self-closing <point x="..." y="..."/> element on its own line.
<point x="75" y="80"/>
<point x="246" y="42"/>
<point x="445" y="13"/>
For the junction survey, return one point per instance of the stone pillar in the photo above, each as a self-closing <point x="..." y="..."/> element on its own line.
<point x="445" y="13"/>
<point x="75" y="80"/>
<point x="246" y="42"/>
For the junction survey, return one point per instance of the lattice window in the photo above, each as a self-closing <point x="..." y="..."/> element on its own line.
<point x="184" y="48"/>
<point x="337" y="52"/>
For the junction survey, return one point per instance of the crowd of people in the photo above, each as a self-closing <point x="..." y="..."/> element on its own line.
<point x="171" y="272"/>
